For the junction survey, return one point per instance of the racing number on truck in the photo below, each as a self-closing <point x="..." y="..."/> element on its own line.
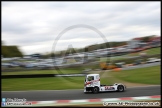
<point x="108" y="87"/>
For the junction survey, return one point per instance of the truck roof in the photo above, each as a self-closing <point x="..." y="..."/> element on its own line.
<point x="92" y="74"/>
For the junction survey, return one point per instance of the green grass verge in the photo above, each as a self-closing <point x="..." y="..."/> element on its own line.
<point x="154" y="51"/>
<point x="149" y="75"/>
<point x="55" y="83"/>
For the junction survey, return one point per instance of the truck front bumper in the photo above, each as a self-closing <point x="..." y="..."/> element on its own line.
<point x="88" y="89"/>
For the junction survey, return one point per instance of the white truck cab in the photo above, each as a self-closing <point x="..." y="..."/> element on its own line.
<point x="92" y="84"/>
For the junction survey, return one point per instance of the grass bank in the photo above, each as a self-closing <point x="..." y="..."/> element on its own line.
<point x="149" y="75"/>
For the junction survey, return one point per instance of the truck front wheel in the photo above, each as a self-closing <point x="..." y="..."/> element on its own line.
<point x="120" y="88"/>
<point x="95" y="90"/>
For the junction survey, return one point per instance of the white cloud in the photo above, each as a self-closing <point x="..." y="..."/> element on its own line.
<point x="34" y="26"/>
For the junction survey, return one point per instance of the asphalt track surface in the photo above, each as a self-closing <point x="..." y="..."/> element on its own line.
<point x="78" y="94"/>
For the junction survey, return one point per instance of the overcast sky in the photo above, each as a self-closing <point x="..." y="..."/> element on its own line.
<point x="34" y="26"/>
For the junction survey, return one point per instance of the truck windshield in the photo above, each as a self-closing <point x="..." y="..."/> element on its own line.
<point x="90" y="78"/>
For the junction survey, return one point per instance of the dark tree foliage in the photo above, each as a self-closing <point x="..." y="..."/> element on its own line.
<point x="11" y="51"/>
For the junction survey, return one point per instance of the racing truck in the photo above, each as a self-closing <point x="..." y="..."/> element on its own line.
<point x="92" y="84"/>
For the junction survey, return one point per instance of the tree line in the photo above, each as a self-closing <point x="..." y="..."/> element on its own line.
<point x="13" y="51"/>
<point x="93" y="47"/>
<point x="10" y="51"/>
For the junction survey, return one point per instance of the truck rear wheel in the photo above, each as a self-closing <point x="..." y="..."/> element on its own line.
<point x="95" y="90"/>
<point x="120" y="88"/>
